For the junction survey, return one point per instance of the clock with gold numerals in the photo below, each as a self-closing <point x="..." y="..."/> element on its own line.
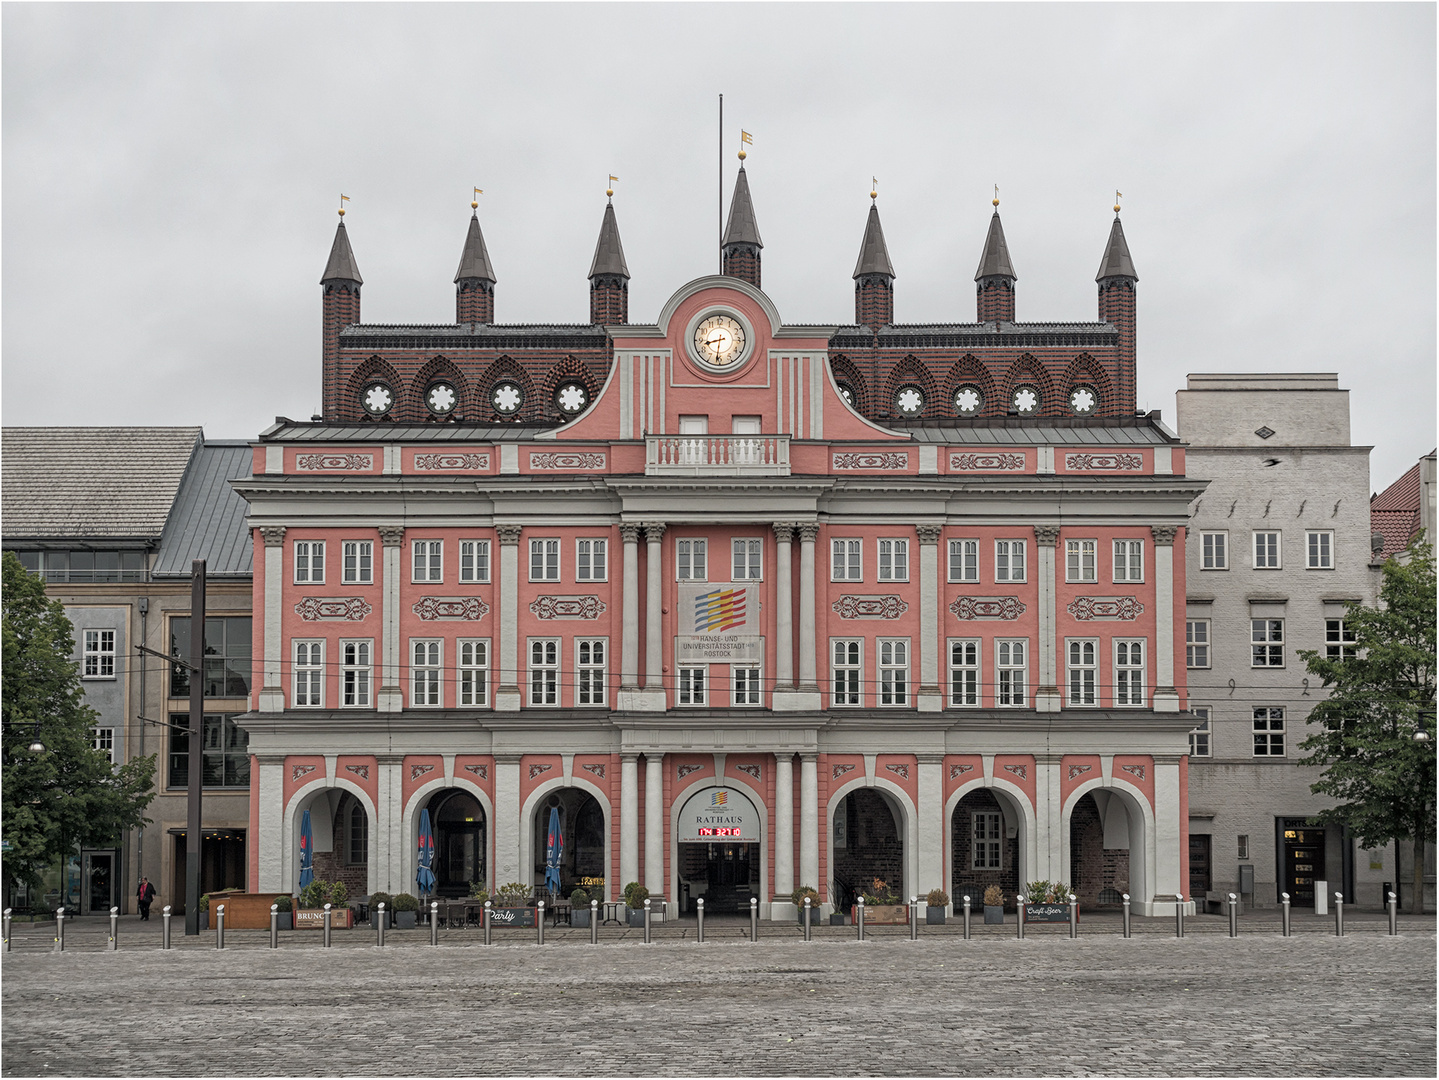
<point x="719" y="341"/>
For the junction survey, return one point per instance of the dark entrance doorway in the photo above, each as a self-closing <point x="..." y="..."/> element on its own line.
<point x="868" y="847"/>
<point x="98" y="887"/>
<point x="1201" y="878"/>
<point x="459" y="823"/>
<point x="1303" y="856"/>
<point x="222" y="864"/>
<point x="726" y="875"/>
<point x="582" y="826"/>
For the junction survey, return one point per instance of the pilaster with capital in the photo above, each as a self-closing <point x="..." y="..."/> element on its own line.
<point x="654" y="594"/>
<point x="654" y="878"/>
<point x="930" y="695"/>
<point x="1046" y="691"/>
<point x="507" y="598"/>
<point x="808" y="534"/>
<point x="629" y="823"/>
<point x="630" y="610"/>
<point x="784" y="608"/>
<point x="272" y="692"/>
<point x="809" y="820"/>
<point x="390" y="698"/>
<point x="783" y="823"/>
<point x="1166" y="696"/>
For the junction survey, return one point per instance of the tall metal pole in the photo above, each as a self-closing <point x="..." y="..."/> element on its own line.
<point x="197" y="747"/>
<point x="721" y="193"/>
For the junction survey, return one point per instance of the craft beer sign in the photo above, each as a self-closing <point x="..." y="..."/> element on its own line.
<point x="719" y="815"/>
<point x="718" y="624"/>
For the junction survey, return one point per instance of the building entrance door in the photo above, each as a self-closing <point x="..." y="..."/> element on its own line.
<point x="1200" y="877"/>
<point x="97" y="882"/>
<point x="730" y="875"/>
<point x="1303" y="862"/>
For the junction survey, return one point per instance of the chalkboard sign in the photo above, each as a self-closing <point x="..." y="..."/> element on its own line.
<point x="512" y="916"/>
<point x="1041" y="913"/>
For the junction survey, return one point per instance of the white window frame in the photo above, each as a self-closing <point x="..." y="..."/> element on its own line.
<point x="307" y="673"/>
<point x="1011" y="673"/>
<point x="964" y="561"/>
<point x="427" y="673"/>
<point x="1264" y="649"/>
<point x="1262" y="561"/>
<point x="427" y="561"/>
<point x="1339" y="642"/>
<point x="357" y="562"/>
<point x="474" y="561"/>
<point x="1197" y="641"/>
<point x="592" y="558"/>
<point x="1129" y="562"/>
<point x="1081" y="680"/>
<point x="1130" y="655"/>
<point x="472" y="673"/>
<point x="746" y="686"/>
<point x="99" y="654"/>
<point x="986" y="839"/>
<point x="692" y="558"/>
<point x="543" y="671"/>
<point x="746" y="558"/>
<point x="591" y="683"/>
<point x="892" y="559"/>
<point x="1201" y="735"/>
<point x="1214" y="550"/>
<point x="966" y="688"/>
<point x="1266" y="736"/>
<point x="309" y="562"/>
<point x="1076" y="554"/>
<point x="691" y="685"/>
<point x="102" y="738"/>
<point x="544" y="558"/>
<point x="357" y="673"/>
<point x="1010" y="561"/>
<point x="891" y="656"/>
<point x="1323" y="558"/>
<point x="846" y="559"/>
<point x="846" y="672"/>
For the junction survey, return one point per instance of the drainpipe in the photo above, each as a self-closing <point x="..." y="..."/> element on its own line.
<point x="140" y="728"/>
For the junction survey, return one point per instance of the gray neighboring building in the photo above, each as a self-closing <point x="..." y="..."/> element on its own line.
<point x="1277" y="545"/>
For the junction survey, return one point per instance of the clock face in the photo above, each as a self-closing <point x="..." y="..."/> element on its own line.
<point x="719" y="340"/>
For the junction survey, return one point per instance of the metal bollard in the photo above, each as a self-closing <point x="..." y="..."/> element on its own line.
<point x="1019" y="915"/>
<point x="914" y="918"/>
<point x="434" y="922"/>
<point x="327" y="926"/>
<point x="1128" y="931"/>
<point x="60" y="929"/>
<point x="274" y="926"/>
<point x="647" y="921"/>
<point x="540" y="923"/>
<point x="1178" y="915"/>
<point x="966" y="918"/>
<point x="595" y="922"/>
<point x="1392" y="905"/>
<point x="165" y="927"/>
<point x="488" y="940"/>
<point x="380" y="921"/>
<point x="700" y="907"/>
<point x="1073" y="916"/>
<point x="1233" y="915"/>
<point x="753" y="919"/>
<point x="114" y="929"/>
<point x="806" y="919"/>
<point x="1339" y="914"/>
<point x="1285" y="929"/>
<point x="8" y="912"/>
<point x="859" y="920"/>
<point x="220" y="927"/>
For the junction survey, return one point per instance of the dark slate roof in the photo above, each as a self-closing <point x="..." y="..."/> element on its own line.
<point x="341" y="266"/>
<point x="994" y="260"/>
<point x="92" y="482"/>
<point x="741" y="227"/>
<point x="473" y="335"/>
<point x="208" y="519"/>
<point x="609" y="253"/>
<point x="475" y="259"/>
<point x="287" y="430"/>
<point x="873" y="253"/>
<point x="1101" y="433"/>
<point x="1116" y="261"/>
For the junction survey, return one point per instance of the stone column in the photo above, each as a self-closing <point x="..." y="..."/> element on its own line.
<point x="629" y="822"/>
<point x="809" y="820"/>
<point x="1166" y="697"/>
<point x="272" y="690"/>
<point x="1168" y="830"/>
<point x="784" y="612"/>
<point x="507" y="660"/>
<point x="930" y="695"/>
<point x="1046" y="692"/>
<point x="807" y="682"/>
<point x="275" y="854"/>
<point x="655" y="825"/>
<point x="654" y="593"/>
<point x="1052" y="846"/>
<point x="509" y="861"/>
<point x="393" y="846"/>
<point x="929" y="860"/>
<point x="783" y="823"/>
<point x="390" y="697"/>
<point x="630" y="616"/>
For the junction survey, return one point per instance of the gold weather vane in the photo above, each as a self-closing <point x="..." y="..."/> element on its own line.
<point x="995" y="203"/>
<point x="610" y="191"/>
<point x="744" y="137"/>
<point x="873" y="188"/>
<point x="1117" y="196"/>
<point x="343" y="200"/>
<point x="474" y="199"/>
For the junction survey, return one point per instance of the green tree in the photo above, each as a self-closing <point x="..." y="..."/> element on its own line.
<point x="70" y="794"/>
<point x="1381" y="694"/>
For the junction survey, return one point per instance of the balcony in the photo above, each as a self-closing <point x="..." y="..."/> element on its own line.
<point x="716" y="455"/>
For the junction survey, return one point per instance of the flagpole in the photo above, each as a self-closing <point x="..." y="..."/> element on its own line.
<point x="720" y="159"/>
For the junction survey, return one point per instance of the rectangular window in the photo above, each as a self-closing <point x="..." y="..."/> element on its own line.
<point x="1011" y="672"/>
<point x="1083" y="672"/>
<point x="544" y="671"/>
<point x="746" y="685"/>
<point x="844" y="560"/>
<point x="1266" y="642"/>
<point x="1009" y="560"/>
<point x="425" y="560"/>
<point x="1129" y="671"/>
<point x="746" y="559"/>
<point x="309" y="562"/>
<point x="474" y="560"/>
<point x="692" y="685"/>
<point x="1128" y="561"/>
<point x="1199" y="734"/>
<point x="590" y="674"/>
<point x="590" y="563"/>
<point x="1081" y="560"/>
<point x="356" y="670"/>
<point x="104" y="741"/>
<point x="1338" y="640"/>
<point x="1214" y="550"/>
<point x="99" y="654"/>
<point x="225" y="757"/>
<point x="426" y="673"/>
<point x="227" y="656"/>
<point x="1242" y="844"/>
<point x="1319" y="546"/>
<point x="544" y="560"/>
<point x="1196" y="643"/>
<point x="309" y="670"/>
<point x="358" y="557"/>
<point x="894" y="560"/>
<point x="474" y="672"/>
<point x="964" y="560"/>
<point x="986" y="833"/>
<point x="359" y="847"/>
<point x="1266" y="551"/>
<point x="893" y="671"/>
<point x="848" y="656"/>
<point x="964" y="673"/>
<point x="1268" y="732"/>
<point x="690" y="560"/>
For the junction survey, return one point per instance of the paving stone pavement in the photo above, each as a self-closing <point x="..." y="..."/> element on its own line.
<point x="1261" y="1005"/>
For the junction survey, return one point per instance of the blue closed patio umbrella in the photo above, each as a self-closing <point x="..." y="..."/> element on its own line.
<point x="307" y="852"/>
<point x="554" y="852"/>
<point x="425" y="875"/>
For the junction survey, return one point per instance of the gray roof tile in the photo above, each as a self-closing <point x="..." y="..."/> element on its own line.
<point x="609" y="252"/>
<point x="475" y="259"/>
<point x="873" y="253"/>
<point x="341" y="266"/>
<point x="741" y="227"/>
<point x="994" y="260"/>
<point x="209" y="520"/>
<point x="1116" y="261"/>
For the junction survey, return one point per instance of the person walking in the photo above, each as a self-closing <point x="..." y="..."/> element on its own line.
<point x="146" y="896"/>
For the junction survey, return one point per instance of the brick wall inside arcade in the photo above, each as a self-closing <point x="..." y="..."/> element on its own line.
<point x="872" y="849"/>
<point x="1098" y="874"/>
<point x="336" y="864"/>
<point x="966" y="877"/>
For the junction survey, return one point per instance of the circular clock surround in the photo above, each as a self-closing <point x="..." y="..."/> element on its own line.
<point x="720" y="340"/>
<point x="441" y="397"/>
<point x="377" y="398"/>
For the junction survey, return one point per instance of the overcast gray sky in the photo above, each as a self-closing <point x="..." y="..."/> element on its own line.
<point x="171" y="173"/>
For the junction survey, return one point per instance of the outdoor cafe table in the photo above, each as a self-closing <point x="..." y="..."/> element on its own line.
<point x="460" y="909"/>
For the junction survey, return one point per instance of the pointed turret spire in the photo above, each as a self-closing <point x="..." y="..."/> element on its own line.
<point x="609" y="252"/>
<point x="995" y="277"/>
<point x="1116" y="262"/>
<point x="341" y="266"/>
<point x="475" y="259"/>
<point x="609" y="274"/>
<point x="1118" y="307"/>
<point x="994" y="262"/>
<point x="741" y="243"/>
<point x="340" y="308"/>
<point x="475" y="278"/>
<point x="873" y="275"/>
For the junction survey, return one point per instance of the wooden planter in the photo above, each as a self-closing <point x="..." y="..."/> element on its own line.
<point x="248" y="911"/>
<point x="341" y="918"/>
<point x="883" y="914"/>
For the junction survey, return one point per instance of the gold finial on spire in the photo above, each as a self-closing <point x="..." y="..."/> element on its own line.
<point x="873" y="188"/>
<point x="1117" y="197"/>
<point x="475" y="199"/>
<point x="995" y="202"/>
<point x="343" y="200"/>
<point x="744" y="137"/>
<point x="610" y="191"/>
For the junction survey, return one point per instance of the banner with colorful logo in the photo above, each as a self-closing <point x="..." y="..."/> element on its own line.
<point x="718" y="624"/>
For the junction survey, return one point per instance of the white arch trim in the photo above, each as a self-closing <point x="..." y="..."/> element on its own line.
<point x="909" y="824"/>
<point x="527" y="822"/>
<point x="1144" y="853"/>
<point x="290" y="828"/>
<point x="409" y="827"/>
<point x="681" y="795"/>
<point x="1013" y="796"/>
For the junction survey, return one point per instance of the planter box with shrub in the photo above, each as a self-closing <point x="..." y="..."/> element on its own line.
<point x="406" y="907"/>
<point x="935" y="904"/>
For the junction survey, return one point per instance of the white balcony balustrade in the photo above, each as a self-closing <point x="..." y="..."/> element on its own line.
<point x="717" y="455"/>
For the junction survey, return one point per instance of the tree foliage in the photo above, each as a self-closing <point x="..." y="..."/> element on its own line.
<point x="1379" y="697"/>
<point x="70" y="794"/>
